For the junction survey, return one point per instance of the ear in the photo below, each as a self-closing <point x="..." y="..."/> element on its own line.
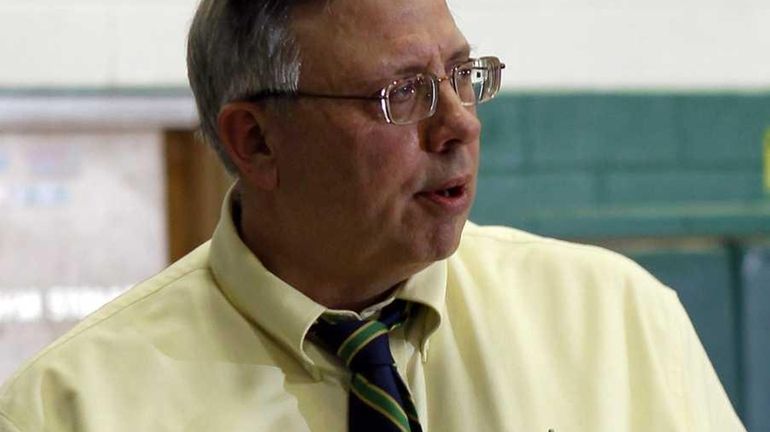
<point x="242" y="135"/>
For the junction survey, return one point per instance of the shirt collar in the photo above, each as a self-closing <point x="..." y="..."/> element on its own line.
<point x="369" y="312"/>
<point x="284" y="312"/>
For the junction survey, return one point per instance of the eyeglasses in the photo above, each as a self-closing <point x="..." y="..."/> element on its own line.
<point x="412" y="99"/>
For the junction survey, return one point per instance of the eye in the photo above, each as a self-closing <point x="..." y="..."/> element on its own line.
<point x="465" y="74"/>
<point x="403" y="91"/>
<point x="464" y="71"/>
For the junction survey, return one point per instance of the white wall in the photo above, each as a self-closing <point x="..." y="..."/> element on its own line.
<point x="546" y="43"/>
<point x="93" y="43"/>
<point x="624" y="43"/>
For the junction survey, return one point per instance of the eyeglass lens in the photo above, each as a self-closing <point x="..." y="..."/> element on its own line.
<point x="413" y="99"/>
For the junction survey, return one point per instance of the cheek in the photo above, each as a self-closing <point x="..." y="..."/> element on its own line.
<point x="389" y="158"/>
<point x="351" y="164"/>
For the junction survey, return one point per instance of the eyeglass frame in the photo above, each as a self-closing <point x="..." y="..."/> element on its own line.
<point x="383" y="95"/>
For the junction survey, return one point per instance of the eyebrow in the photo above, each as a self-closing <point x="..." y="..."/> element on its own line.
<point x="462" y="53"/>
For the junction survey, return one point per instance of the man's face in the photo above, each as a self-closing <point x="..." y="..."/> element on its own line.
<point x="377" y="195"/>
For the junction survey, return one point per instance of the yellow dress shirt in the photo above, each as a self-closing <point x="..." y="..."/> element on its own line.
<point x="514" y="333"/>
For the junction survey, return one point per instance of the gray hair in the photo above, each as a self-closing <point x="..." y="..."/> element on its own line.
<point x="236" y="48"/>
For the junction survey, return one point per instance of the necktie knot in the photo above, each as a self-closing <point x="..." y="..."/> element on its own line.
<point x="362" y="344"/>
<point x="379" y="400"/>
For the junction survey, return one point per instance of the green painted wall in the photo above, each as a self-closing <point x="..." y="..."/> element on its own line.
<point x="604" y="165"/>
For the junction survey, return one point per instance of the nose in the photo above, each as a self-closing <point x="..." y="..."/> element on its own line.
<point x="452" y="125"/>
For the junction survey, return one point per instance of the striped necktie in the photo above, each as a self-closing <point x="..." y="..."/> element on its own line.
<point x="379" y="400"/>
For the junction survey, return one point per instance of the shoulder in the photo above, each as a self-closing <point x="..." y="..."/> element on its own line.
<point x="591" y="308"/>
<point x="497" y="248"/>
<point x="185" y="275"/>
<point x="109" y="344"/>
<point x="513" y="266"/>
<point x="569" y="289"/>
<point x="506" y="240"/>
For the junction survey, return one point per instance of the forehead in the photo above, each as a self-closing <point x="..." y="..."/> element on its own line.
<point x="375" y="37"/>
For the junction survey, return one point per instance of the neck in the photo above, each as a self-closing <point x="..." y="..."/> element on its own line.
<point x="326" y="274"/>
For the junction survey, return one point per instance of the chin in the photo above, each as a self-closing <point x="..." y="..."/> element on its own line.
<point x="443" y="240"/>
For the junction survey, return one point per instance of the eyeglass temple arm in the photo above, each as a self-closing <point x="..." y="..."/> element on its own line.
<point x="283" y="93"/>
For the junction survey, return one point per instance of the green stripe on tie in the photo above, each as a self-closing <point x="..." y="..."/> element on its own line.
<point x="359" y="339"/>
<point x="380" y="401"/>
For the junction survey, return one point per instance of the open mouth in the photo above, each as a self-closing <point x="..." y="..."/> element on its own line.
<point x="452" y="192"/>
<point x="452" y="196"/>
<point x="447" y="195"/>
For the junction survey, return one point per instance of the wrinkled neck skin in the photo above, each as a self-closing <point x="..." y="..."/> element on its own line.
<point x="328" y="274"/>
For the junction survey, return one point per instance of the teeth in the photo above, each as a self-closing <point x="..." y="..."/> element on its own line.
<point x="446" y="193"/>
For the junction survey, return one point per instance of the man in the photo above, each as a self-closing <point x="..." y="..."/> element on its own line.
<point x="343" y="288"/>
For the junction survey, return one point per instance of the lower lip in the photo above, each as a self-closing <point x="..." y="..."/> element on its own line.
<point x="451" y="204"/>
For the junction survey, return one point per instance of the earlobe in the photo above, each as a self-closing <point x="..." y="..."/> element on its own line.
<point x="242" y="135"/>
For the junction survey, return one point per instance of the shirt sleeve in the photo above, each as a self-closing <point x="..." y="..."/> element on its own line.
<point x="705" y="401"/>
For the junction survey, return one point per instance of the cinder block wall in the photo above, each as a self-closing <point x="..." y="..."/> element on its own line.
<point x="609" y="164"/>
